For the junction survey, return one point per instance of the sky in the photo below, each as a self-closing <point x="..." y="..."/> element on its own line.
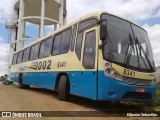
<point x="145" y="13"/>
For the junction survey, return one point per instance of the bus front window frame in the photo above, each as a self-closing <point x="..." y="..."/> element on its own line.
<point x="111" y="40"/>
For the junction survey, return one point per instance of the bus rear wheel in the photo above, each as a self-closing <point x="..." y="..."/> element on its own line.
<point x="63" y="88"/>
<point x="20" y="83"/>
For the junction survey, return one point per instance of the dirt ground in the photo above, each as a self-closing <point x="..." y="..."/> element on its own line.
<point x="35" y="99"/>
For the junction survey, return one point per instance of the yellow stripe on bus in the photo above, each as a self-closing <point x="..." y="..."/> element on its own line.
<point x="139" y="75"/>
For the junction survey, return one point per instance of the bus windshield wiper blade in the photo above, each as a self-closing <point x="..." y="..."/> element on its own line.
<point x="145" y="54"/>
<point x="128" y="55"/>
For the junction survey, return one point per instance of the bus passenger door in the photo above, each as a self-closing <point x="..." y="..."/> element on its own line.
<point x="87" y="78"/>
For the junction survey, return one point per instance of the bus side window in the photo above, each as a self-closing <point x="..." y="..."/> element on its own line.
<point x="56" y="44"/>
<point x="79" y="44"/>
<point x="73" y="37"/>
<point x="87" y="23"/>
<point x="14" y="60"/>
<point x="26" y="55"/>
<point x="36" y="51"/>
<point x="41" y="50"/>
<point x="19" y="59"/>
<point x="47" y="48"/>
<point x="31" y="53"/>
<point x="89" y="50"/>
<point x="65" y="41"/>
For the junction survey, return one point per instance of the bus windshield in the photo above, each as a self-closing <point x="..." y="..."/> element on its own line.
<point x="122" y="46"/>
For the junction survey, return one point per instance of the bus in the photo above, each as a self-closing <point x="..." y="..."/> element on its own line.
<point x="99" y="56"/>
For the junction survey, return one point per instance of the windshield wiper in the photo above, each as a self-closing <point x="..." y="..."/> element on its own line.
<point x="145" y="54"/>
<point x="128" y="54"/>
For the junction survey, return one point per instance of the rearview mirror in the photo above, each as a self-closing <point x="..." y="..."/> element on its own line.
<point x="103" y="30"/>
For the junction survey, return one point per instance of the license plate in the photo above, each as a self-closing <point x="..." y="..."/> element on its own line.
<point x="140" y="90"/>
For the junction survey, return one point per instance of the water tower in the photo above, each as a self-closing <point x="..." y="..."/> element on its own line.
<point x="39" y="12"/>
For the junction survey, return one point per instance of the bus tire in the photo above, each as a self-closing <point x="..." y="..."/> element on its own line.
<point x="63" y="88"/>
<point x="20" y="83"/>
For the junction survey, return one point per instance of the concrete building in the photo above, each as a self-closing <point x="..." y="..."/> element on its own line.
<point x="39" y="12"/>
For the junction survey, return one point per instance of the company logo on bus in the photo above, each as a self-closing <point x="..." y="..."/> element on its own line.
<point x="24" y="68"/>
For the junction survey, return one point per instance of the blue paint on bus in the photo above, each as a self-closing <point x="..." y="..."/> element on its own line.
<point x="110" y="89"/>
<point x="85" y="84"/>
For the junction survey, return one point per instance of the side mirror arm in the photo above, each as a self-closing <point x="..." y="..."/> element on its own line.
<point x="100" y="46"/>
<point x="100" y="21"/>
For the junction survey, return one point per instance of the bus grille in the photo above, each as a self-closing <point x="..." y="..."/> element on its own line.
<point x="136" y="95"/>
<point x="137" y="82"/>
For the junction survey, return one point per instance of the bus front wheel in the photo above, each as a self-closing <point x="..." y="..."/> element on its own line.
<point x="20" y="83"/>
<point x="63" y="88"/>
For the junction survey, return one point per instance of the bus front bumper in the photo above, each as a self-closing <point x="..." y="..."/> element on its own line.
<point x="111" y="89"/>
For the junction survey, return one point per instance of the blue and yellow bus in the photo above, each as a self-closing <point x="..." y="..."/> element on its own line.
<point x="99" y="56"/>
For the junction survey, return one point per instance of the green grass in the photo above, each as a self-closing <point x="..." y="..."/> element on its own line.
<point x="156" y="102"/>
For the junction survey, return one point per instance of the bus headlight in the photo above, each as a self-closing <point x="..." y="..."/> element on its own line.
<point x="110" y="72"/>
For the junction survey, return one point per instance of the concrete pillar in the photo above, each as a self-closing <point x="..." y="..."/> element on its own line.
<point x="13" y="30"/>
<point x="55" y="26"/>
<point x="11" y="48"/>
<point x="42" y="18"/>
<point x="21" y="26"/>
<point x="64" y="12"/>
<point x="12" y="40"/>
<point x="64" y="20"/>
<point x="61" y="13"/>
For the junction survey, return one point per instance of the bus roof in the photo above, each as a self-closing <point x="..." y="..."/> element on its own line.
<point x="87" y="16"/>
